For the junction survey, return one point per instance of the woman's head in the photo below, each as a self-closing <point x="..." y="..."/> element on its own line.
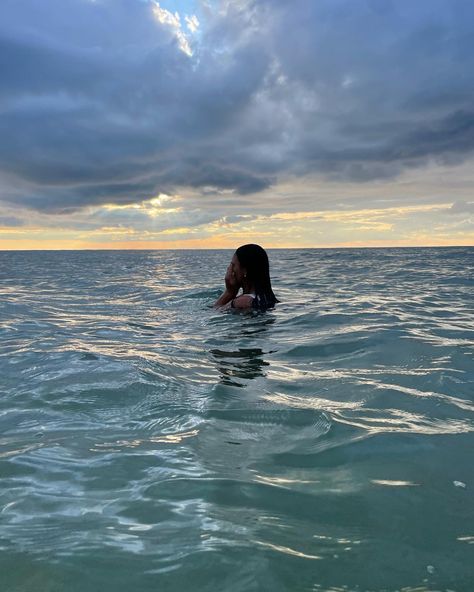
<point x="251" y="263"/>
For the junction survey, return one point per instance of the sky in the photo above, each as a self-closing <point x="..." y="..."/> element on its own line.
<point x="212" y="123"/>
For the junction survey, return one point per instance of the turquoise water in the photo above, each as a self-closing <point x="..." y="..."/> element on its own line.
<point x="149" y="442"/>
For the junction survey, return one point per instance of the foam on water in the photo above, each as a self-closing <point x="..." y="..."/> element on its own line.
<point x="150" y="442"/>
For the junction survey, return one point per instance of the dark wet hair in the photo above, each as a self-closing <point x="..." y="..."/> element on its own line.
<point x="255" y="260"/>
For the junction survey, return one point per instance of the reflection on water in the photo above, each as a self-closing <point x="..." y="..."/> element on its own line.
<point x="238" y="365"/>
<point x="243" y="363"/>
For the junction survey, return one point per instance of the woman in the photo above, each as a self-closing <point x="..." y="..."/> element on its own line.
<point x="249" y="269"/>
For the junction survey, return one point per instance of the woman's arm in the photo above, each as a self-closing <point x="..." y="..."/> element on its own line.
<point x="225" y="298"/>
<point x="242" y="302"/>
<point x="231" y="288"/>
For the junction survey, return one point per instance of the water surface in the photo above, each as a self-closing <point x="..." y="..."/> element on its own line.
<point x="149" y="442"/>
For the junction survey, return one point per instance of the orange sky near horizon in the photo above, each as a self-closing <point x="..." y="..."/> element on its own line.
<point x="197" y="245"/>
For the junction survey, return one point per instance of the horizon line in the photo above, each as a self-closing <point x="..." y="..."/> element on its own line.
<point x="231" y="248"/>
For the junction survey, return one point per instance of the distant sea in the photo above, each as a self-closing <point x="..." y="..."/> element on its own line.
<point x="151" y="443"/>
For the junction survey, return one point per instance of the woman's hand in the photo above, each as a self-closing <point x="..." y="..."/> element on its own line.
<point x="232" y="284"/>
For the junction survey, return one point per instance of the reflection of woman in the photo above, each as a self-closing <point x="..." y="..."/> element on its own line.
<point x="249" y="269"/>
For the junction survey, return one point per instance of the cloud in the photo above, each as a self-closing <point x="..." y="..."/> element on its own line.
<point x="12" y="221"/>
<point x="192" y="23"/>
<point x="173" y="20"/>
<point x="115" y="101"/>
<point x="462" y="207"/>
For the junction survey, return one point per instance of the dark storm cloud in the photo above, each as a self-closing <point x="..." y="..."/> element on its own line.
<point x="100" y="103"/>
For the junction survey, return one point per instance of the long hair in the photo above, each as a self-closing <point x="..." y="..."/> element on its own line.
<point x="255" y="260"/>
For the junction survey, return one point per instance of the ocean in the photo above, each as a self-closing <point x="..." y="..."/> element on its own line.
<point x="151" y="443"/>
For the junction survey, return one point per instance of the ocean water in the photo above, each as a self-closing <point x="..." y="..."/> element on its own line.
<point x="151" y="443"/>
